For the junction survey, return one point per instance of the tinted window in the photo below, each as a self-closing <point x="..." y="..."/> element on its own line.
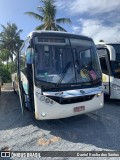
<point x="115" y="66"/>
<point x="23" y="56"/>
<point x="75" y="62"/>
<point x="102" y="52"/>
<point x="117" y="50"/>
<point x="103" y="65"/>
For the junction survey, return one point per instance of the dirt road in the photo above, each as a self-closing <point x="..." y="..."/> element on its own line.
<point x="95" y="131"/>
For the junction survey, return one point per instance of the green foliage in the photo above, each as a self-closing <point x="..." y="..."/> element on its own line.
<point x="12" y="67"/>
<point x="4" y="54"/>
<point x="4" y="73"/>
<point x="10" y="41"/>
<point x="47" y="15"/>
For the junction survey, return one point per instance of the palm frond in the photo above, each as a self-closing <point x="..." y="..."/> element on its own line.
<point x="41" y="27"/>
<point x="10" y="39"/>
<point x="47" y="16"/>
<point x="35" y="15"/>
<point x="55" y="28"/>
<point x="3" y="27"/>
<point x="63" y="20"/>
<point x="60" y="28"/>
<point x="40" y="9"/>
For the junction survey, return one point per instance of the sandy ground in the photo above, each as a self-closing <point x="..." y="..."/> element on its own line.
<point x="94" y="131"/>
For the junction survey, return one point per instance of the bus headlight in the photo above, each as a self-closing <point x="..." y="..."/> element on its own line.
<point x="42" y="98"/>
<point x="115" y="87"/>
<point x="38" y="95"/>
<point x="45" y="99"/>
<point x="99" y="94"/>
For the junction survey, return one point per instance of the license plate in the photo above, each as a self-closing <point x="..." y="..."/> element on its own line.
<point x="79" y="109"/>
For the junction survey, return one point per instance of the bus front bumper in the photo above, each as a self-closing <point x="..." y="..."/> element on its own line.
<point x="44" y="111"/>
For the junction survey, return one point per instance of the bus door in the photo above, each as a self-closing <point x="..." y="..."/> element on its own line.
<point x="105" y="66"/>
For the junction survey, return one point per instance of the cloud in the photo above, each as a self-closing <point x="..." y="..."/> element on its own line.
<point x="99" y="18"/>
<point x="98" y="6"/>
<point x="107" y="10"/>
<point x="98" y="30"/>
<point x="60" y="4"/>
<point x="89" y="6"/>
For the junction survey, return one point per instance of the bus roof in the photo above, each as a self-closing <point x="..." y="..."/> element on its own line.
<point x="57" y="33"/>
<point x="109" y="47"/>
<point x="103" y="44"/>
<point x="112" y="43"/>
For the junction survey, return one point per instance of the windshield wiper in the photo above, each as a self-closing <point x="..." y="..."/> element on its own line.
<point x="64" y="73"/>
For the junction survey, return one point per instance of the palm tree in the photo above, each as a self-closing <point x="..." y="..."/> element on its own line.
<point x="48" y="17"/>
<point x="10" y="40"/>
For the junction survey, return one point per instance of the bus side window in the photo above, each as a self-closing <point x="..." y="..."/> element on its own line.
<point x="104" y="65"/>
<point x="23" y="61"/>
<point x="29" y="56"/>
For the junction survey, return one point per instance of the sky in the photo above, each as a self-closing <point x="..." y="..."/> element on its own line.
<point x="98" y="19"/>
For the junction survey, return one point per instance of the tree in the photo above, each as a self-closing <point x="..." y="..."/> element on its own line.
<point x="10" y="40"/>
<point x="4" y="55"/>
<point x="48" y="17"/>
<point x="4" y="73"/>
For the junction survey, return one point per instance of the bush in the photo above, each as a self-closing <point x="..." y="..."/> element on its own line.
<point x="4" y="73"/>
<point x="12" y="67"/>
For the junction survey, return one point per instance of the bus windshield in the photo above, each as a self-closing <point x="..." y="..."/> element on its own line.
<point x="66" y="61"/>
<point x="117" y="50"/>
<point x="115" y="65"/>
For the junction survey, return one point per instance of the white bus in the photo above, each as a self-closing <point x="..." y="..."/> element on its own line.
<point x="109" y="55"/>
<point x="59" y="75"/>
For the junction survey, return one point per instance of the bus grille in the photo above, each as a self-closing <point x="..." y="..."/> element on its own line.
<point x="71" y="100"/>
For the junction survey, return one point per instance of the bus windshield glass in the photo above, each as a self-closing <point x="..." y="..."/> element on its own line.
<point x="66" y="60"/>
<point x="115" y="65"/>
<point x="117" y="50"/>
